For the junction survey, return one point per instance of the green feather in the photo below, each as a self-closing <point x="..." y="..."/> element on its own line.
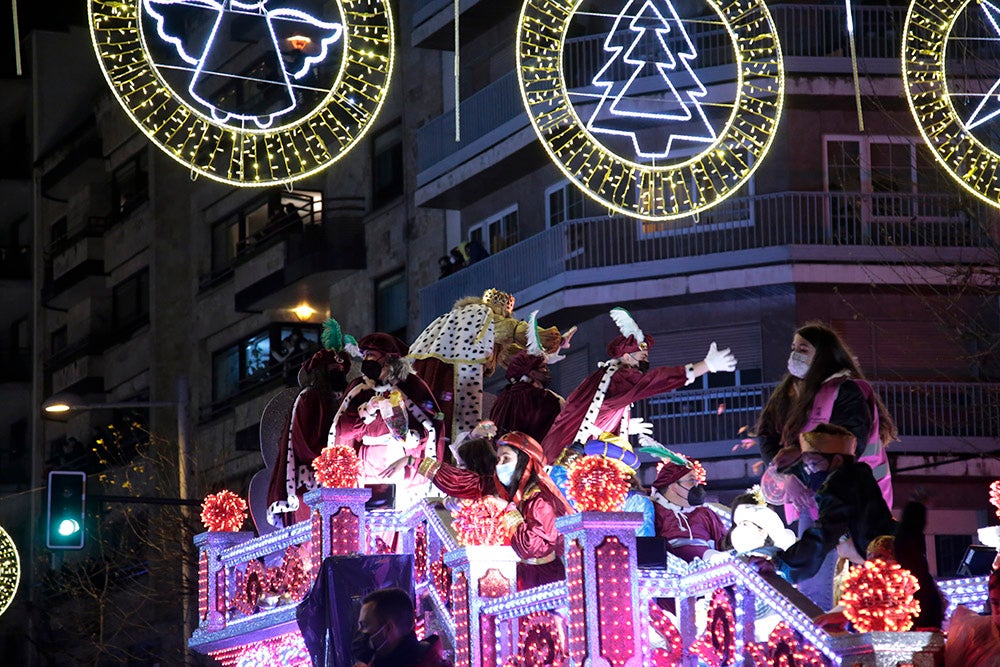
<point x="665" y="454"/>
<point x="333" y="336"/>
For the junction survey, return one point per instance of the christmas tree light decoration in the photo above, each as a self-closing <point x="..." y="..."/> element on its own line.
<point x="337" y="467"/>
<point x="596" y="484"/>
<point x="717" y="645"/>
<point x="223" y="511"/>
<point x="995" y="496"/>
<point x="784" y="648"/>
<point x="663" y="626"/>
<point x="928" y="36"/>
<point x="480" y="522"/>
<point x="650" y="183"/>
<point x="878" y="597"/>
<point x="10" y="570"/>
<point x="320" y="70"/>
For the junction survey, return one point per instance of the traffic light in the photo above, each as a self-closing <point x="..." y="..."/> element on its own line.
<point x="64" y="520"/>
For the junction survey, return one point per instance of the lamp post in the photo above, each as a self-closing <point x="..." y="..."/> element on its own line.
<point x="65" y="403"/>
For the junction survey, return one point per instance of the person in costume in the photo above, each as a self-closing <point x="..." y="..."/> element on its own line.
<point x="534" y="503"/>
<point x="323" y="378"/>
<point x="756" y="525"/>
<point x="602" y="401"/>
<point x="388" y="412"/>
<point x="678" y="494"/>
<point x="849" y="501"/>
<point x="526" y="404"/>
<point x="458" y="349"/>
<point x="619" y="451"/>
<point x="823" y="385"/>
<point x="974" y="640"/>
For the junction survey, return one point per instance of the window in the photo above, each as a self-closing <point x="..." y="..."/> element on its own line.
<point x="391" y="304"/>
<point x="496" y="232"/>
<point x="563" y="202"/>
<point x="387" y="165"/>
<point x="266" y="355"/>
<point x="130" y="300"/>
<point x="58" y="339"/>
<point x="130" y="185"/>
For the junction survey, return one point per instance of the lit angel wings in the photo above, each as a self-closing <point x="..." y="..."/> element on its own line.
<point x="206" y="51"/>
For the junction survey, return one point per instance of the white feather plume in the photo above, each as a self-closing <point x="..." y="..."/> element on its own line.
<point x="534" y="345"/>
<point x="626" y="324"/>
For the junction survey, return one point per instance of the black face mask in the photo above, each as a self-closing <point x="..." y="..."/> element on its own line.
<point x="696" y="495"/>
<point x="643" y="366"/>
<point x="371" y="369"/>
<point x="361" y="647"/>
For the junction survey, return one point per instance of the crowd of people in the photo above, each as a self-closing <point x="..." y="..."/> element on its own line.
<point x="417" y="417"/>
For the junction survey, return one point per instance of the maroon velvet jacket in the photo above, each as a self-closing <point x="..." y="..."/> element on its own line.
<point x="310" y="423"/>
<point x="521" y="406"/>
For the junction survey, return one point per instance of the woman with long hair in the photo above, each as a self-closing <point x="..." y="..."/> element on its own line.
<point x="824" y="385"/>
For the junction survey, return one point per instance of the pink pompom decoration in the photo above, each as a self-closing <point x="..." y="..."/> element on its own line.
<point x="337" y="467"/>
<point x="223" y="512"/>
<point x="597" y="484"/>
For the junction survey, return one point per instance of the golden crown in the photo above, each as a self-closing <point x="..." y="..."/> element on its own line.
<point x="500" y="302"/>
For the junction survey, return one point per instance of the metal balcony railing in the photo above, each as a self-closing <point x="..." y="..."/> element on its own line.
<point x="921" y="409"/>
<point x="738" y="224"/>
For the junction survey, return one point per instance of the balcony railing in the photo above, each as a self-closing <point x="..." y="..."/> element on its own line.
<point x="921" y="410"/>
<point x="738" y="224"/>
<point x="806" y="31"/>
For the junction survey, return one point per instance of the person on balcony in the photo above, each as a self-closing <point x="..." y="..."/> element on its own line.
<point x="534" y="503"/>
<point x="678" y="494"/>
<point x="387" y="413"/>
<point x="386" y="636"/>
<point x="526" y="404"/>
<point x="458" y="349"/>
<point x="602" y="401"/>
<point x="323" y="378"/>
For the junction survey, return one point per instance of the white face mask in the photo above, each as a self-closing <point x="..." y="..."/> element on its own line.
<point x="505" y="472"/>
<point x="746" y="537"/>
<point x="798" y="364"/>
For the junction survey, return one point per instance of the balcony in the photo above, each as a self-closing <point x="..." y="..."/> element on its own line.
<point x="779" y="229"/>
<point x="495" y="132"/>
<point x="74" y="265"/>
<point x="433" y="25"/>
<point x="296" y="259"/>
<point x="932" y="417"/>
<point x="79" y="364"/>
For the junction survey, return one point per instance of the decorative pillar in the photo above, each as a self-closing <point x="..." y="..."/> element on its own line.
<point x="337" y="521"/>
<point x="478" y="573"/>
<point x="604" y="619"/>
<point x="212" y="577"/>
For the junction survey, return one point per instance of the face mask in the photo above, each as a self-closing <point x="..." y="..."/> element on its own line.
<point x="746" y="537"/>
<point x="643" y="366"/>
<point x="798" y="364"/>
<point x="696" y="496"/>
<point x="363" y="645"/>
<point x="371" y="369"/>
<point x="505" y="472"/>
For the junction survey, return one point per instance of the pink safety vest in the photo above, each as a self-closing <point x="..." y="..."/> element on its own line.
<point x="873" y="452"/>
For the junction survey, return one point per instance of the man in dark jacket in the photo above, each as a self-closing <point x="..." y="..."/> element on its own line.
<point x="386" y="637"/>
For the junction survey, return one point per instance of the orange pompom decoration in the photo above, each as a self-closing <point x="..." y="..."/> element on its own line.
<point x="597" y="484"/>
<point x="223" y="512"/>
<point x="878" y="597"/>
<point x="481" y="522"/>
<point x="337" y="467"/>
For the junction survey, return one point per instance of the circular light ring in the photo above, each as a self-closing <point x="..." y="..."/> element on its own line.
<point x="925" y="39"/>
<point x="674" y="190"/>
<point x="250" y="157"/>
<point x="10" y="570"/>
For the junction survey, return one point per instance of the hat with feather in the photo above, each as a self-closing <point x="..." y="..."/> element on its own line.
<point x="673" y="467"/>
<point x="338" y="348"/>
<point x="631" y="339"/>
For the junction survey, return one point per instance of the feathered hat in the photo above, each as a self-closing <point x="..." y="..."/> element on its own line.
<point x="532" y="357"/>
<point x="337" y="350"/>
<point x="673" y="466"/>
<point x="631" y="339"/>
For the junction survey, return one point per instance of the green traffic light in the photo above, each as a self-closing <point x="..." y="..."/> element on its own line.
<point x="68" y="527"/>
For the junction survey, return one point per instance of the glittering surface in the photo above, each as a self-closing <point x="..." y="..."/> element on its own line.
<point x="10" y="570"/>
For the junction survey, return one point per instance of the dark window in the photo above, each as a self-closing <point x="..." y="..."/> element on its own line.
<point x="20" y="336"/>
<point x="58" y="230"/>
<point x="949" y="550"/>
<point x="272" y="353"/>
<point x="391" y="304"/>
<point x="130" y="185"/>
<point x="248" y="439"/>
<point x="130" y="300"/>
<point x="58" y="339"/>
<point x="387" y="165"/>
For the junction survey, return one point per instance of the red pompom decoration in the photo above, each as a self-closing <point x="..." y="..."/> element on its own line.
<point x="223" y="511"/>
<point x="995" y="496"/>
<point x="597" y="484"/>
<point x="337" y="467"/>
<point x="481" y="522"/>
<point x="878" y="597"/>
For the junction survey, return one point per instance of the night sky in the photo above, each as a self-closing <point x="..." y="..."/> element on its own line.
<point x="46" y="14"/>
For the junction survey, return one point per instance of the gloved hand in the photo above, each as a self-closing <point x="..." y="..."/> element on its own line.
<point x="639" y="426"/>
<point x="719" y="360"/>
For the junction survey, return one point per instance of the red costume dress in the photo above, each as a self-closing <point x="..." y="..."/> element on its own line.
<point x="689" y="531"/>
<point x="626" y="386"/>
